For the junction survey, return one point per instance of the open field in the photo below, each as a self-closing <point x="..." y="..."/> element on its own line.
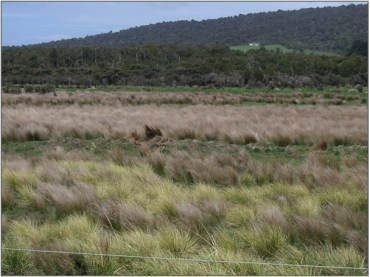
<point x="188" y="183"/>
<point x="282" y="48"/>
<point x="202" y="116"/>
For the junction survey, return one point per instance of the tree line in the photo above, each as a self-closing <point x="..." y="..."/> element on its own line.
<point x="171" y="65"/>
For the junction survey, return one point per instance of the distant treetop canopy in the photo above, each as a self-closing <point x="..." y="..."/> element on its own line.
<point x="330" y="29"/>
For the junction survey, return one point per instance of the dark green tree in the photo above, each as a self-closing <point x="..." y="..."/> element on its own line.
<point x="358" y="47"/>
<point x="53" y="57"/>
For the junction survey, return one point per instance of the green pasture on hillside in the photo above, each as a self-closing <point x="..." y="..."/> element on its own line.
<point x="246" y="48"/>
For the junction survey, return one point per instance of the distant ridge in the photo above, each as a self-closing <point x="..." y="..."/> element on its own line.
<point x="325" y="29"/>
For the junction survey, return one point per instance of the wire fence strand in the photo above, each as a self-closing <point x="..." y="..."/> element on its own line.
<point x="185" y="259"/>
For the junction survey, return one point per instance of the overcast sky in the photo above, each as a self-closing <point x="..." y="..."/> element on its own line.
<point x="36" y="22"/>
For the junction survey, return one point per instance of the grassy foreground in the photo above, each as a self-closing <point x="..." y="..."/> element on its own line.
<point x="227" y="187"/>
<point x="209" y="208"/>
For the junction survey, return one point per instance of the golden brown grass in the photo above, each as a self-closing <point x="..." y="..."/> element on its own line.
<point x="120" y="216"/>
<point x="234" y="124"/>
<point x="67" y="199"/>
<point x="125" y="98"/>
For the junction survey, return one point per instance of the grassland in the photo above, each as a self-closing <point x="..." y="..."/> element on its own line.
<point x="189" y="178"/>
<point x="283" y="49"/>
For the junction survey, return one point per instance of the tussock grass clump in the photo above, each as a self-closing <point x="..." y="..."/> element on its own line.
<point x="240" y="138"/>
<point x="58" y="264"/>
<point x="117" y="155"/>
<point x="177" y="168"/>
<point x="191" y="215"/>
<point x="199" y="216"/>
<point x="321" y="160"/>
<point x="274" y="217"/>
<point x="350" y="161"/>
<point x="219" y="169"/>
<point x="269" y="242"/>
<point x="247" y="179"/>
<point x="7" y="197"/>
<point x="263" y="174"/>
<point x="32" y="198"/>
<point x="343" y="140"/>
<point x="340" y="256"/>
<point x="204" y="191"/>
<point x="120" y="216"/>
<point x="134" y="242"/>
<point x="16" y="262"/>
<point x="239" y="216"/>
<point x="178" y="243"/>
<point x="359" y="242"/>
<point x="209" y="172"/>
<point x="344" y="216"/>
<point x="224" y="159"/>
<point x="347" y="196"/>
<point x="185" y="133"/>
<point x="265" y="242"/>
<point x="17" y="179"/>
<point x="73" y="233"/>
<point x="54" y="173"/>
<point x="307" y="207"/>
<point x="157" y="160"/>
<point x="103" y="266"/>
<point x="311" y="231"/>
<point x="4" y="224"/>
<point x="66" y="199"/>
<point x="282" y="140"/>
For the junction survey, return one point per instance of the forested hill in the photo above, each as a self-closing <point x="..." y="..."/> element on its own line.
<point x="326" y="29"/>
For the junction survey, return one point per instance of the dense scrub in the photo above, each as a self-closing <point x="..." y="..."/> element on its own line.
<point x="177" y="66"/>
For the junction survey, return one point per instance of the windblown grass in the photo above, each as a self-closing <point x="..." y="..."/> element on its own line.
<point x="166" y="203"/>
<point x="102" y="207"/>
<point x="284" y="126"/>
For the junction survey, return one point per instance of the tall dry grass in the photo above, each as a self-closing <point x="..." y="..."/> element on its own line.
<point x="125" y="98"/>
<point x="234" y="124"/>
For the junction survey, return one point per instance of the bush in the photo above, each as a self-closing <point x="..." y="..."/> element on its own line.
<point x="47" y="88"/>
<point x="12" y="90"/>
<point x="37" y="88"/>
<point x="28" y="88"/>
